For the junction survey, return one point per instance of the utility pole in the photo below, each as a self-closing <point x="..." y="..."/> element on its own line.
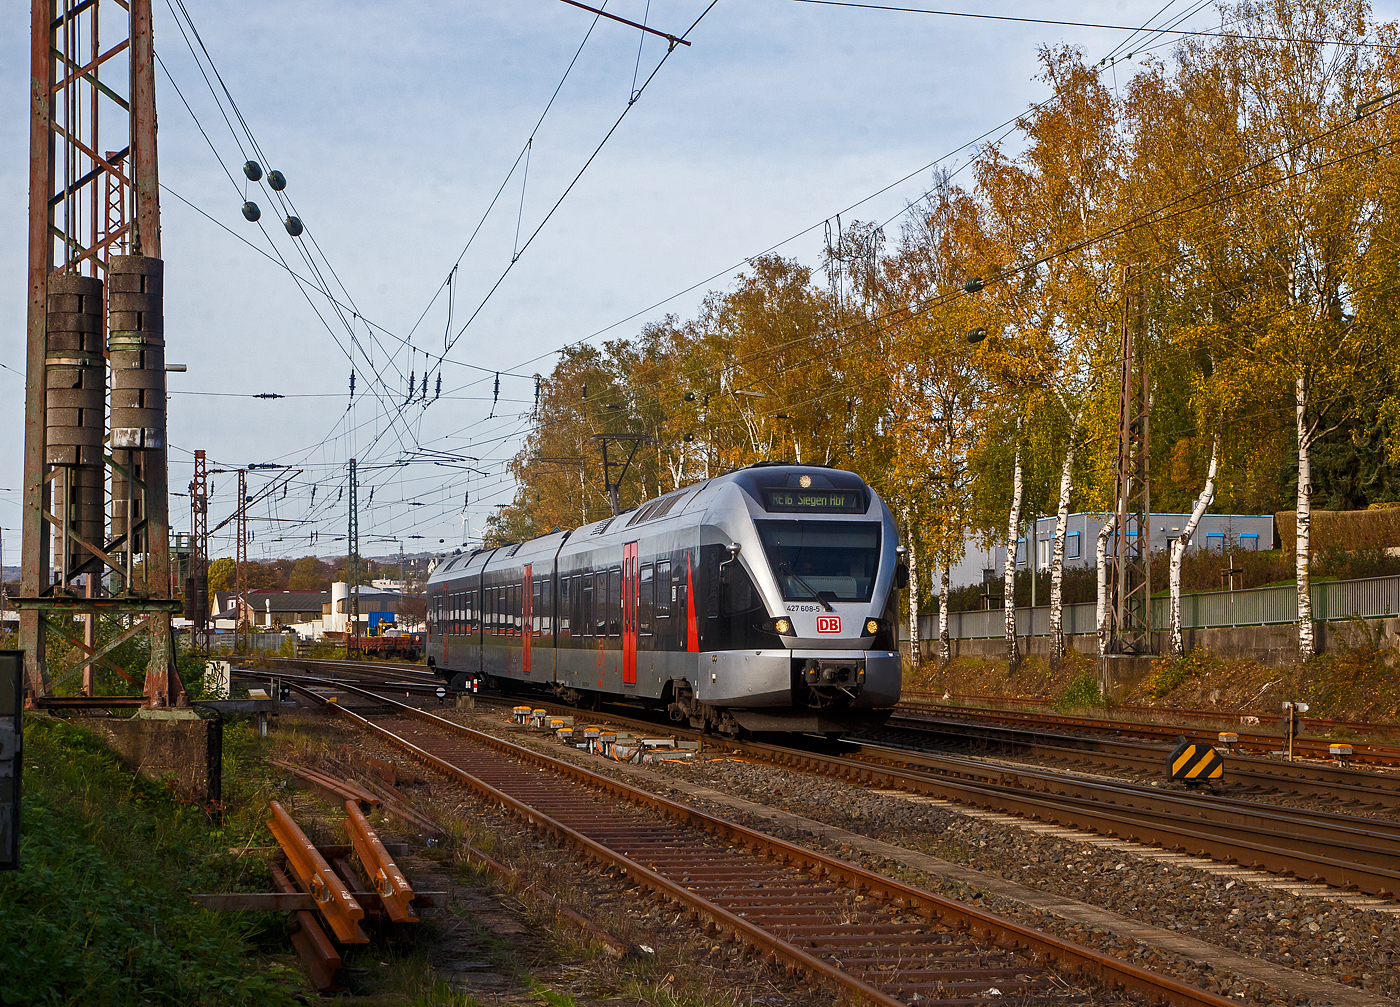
<point x="240" y="561"/>
<point x="95" y="296"/>
<point x="352" y="567"/>
<point x="197" y="587"/>
<point x="1130" y="564"/>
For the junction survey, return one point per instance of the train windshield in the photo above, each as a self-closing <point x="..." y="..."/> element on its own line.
<point x="826" y="560"/>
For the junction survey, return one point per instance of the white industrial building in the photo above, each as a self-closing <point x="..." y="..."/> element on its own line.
<point x="1220" y="533"/>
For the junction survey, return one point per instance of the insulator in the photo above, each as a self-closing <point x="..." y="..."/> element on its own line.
<point x="253" y="170"/>
<point x="251" y="213"/>
<point x="75" y="382"/>
<point x="136" y="348"/>
<point x="276" y="180"/>
<point x="973" y="285"/>
<point x="293" y="226"/>
<point x="977" y="335"/>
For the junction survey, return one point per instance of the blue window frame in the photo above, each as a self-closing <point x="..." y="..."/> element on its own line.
<point x="1215" y="541"/>
<point x="1250" y="541"/>
<point x="1072" y="545"/>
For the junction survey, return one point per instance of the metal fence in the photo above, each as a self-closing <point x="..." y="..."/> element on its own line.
<point x="222" y="643"/>
<point x="1371" y="598"/>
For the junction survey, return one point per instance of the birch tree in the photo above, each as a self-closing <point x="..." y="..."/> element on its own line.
<point x="1182" y="541"/>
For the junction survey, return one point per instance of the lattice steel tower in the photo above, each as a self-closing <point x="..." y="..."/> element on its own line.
<point x="95" y="271"/>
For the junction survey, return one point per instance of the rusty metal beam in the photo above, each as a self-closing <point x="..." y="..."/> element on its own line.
<point x="384" y="874"/>
<point x="332" y="895"/>
<point x="321" y="958"/>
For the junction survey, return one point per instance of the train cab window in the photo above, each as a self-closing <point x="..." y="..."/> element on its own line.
<point x="645" y="590"/>
<point x="565" y="614"/>
<point x="615" y="601"/>
<point x="536" y="606"/>
<point x="663" y="590"/>
<point x="546" y="606"/>
<point x="586" y="625"/>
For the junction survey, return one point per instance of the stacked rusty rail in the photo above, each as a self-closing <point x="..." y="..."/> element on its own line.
<point x="325" y="890"/>
<point x="888" y="942"/>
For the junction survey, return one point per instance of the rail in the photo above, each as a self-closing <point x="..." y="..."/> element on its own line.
<point x="778" y="855"/>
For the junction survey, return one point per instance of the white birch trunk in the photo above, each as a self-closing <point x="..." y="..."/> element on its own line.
<point x="945" y="646"/>
<point x="1013" y="523"/>
<point x="1307" y="645"/>
<point x="1101" y="559"/>
<point x="1057" y="552"/>
<point x="1182" y="541"/>
<point x="912" y="555"/>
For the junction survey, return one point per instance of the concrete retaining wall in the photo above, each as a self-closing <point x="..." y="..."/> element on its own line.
<point x="159" y="742"/>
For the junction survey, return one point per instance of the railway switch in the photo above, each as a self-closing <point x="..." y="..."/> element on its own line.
<point x="1195" y="763"/>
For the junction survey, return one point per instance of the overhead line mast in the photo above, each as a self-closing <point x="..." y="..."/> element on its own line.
<point x="95" y="271"/>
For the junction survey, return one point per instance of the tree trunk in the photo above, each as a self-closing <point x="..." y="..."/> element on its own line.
<point x="1307" y="645"/>
<point x="1182" y="541"/>
<point x="913" y="558"/>
<point x="1057" y="553"/>
<point x="1013" y="523"/>
<point x="945" y="647"/>
<point x="1101" y="559"/>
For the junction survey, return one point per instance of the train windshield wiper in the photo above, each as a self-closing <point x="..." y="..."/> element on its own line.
<point x="787" y="572"/>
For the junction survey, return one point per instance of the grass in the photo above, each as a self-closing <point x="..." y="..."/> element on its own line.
<point x="98" y="913"/>
<point x="1081" y="693"/>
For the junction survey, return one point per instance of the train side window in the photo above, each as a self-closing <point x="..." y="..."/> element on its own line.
<point x="546" y="606"/>
<point x="615" y="601"/>
<point x="645" y="589"/>
<point x="516" y="610"/>
<point x="536" y="606"/>
<point x="663" y="590"/>
<point x="587" y="610"/>
<point x="565" y="615"/>
<point x="496" y="611"/>
<point x="471" y="612"/>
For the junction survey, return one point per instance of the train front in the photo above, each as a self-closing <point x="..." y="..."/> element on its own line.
<point x="809" y="562"/>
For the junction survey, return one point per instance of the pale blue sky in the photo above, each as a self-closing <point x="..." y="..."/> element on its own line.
<point x="394" y="125"/>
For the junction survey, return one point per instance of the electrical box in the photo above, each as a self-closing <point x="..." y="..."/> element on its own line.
<point x="11" y="708"/>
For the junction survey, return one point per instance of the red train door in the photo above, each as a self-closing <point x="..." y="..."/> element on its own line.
<point x="526" y="611"/>
<point x="629" y="614"/>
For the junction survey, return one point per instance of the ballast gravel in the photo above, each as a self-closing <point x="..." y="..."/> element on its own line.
<point x="1352" y="946"/>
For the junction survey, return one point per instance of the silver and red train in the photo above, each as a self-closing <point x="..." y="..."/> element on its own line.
<point x="761" y="600"/>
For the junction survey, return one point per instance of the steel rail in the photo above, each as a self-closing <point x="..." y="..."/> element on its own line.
<point x="1280" y="840"/>
<point x="1301" y="777"/>
<point x="936" y="909"/>
<point x="1374" y="754"/>
<point x="317" y="879"/>
<point x="388" y="881"/>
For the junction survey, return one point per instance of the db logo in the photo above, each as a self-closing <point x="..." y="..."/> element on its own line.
<point x="828" y="624"/>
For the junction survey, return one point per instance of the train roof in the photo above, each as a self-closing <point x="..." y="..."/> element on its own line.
<point x="758" y="481"/>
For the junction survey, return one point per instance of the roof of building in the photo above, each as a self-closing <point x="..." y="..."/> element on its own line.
<point x="287" y="601"/>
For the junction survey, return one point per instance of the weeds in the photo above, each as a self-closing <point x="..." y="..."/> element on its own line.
<point x="98" y="913"/>
<point x="1081" y="693"/>
<point x="1168" y="673"/>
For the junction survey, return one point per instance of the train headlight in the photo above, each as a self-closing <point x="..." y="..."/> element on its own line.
<point x="872" y="626"/>
<point x="781" y="625"/>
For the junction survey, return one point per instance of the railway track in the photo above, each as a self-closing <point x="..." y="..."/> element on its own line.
<point x="1227" y="717"/>
<point x="886" y="942"/>
<point x="1381" y="755"/>
<point x="1091" y="753"/>
<point x="1340" y="850"/>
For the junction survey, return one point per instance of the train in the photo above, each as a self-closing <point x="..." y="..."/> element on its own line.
<point x="762" y="600"/>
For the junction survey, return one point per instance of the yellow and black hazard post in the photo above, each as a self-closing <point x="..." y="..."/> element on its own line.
<point x="1194" y="763"/>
